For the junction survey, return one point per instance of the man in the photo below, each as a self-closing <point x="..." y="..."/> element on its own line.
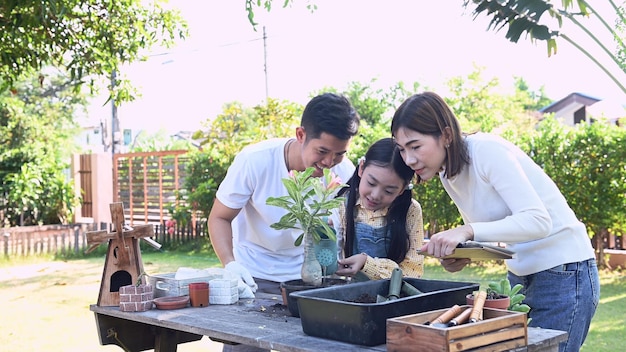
<point x="240" y="219"/>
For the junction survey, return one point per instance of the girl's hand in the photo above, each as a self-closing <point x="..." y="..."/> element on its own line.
<point x="443" y="243"/>
<point x="351" y="265"/>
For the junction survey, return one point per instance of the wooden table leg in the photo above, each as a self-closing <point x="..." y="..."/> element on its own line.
<point x="134" y="336"/>
<point x="165" y="340"/>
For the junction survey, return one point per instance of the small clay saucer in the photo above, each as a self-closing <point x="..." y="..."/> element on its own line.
<point x="175" y="302"/>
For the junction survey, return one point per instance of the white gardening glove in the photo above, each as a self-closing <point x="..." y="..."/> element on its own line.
<point x="242" y="274"/>
<point x="244" y="290"/>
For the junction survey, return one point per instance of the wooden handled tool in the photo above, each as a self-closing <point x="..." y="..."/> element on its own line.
<point x="461" y="318"/>
<point x="446" y="316"/>
<point x="477" y="310"/>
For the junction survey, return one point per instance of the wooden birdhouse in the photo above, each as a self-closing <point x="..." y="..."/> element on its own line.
<point x="123" y="265"/>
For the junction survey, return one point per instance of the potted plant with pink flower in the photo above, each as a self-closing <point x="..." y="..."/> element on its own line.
<point x="309" y="203"/>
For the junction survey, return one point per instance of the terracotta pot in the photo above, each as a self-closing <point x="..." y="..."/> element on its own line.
<point x="199" y="294"/>
<point x="171" y="302"/>
<point x="290" y="286"/>
<point x="499" y="303"/>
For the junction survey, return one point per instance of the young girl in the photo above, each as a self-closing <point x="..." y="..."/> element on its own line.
<point x="381" y="224"/>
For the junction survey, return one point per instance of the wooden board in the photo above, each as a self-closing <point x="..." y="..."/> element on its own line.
<point x="478" y="251"/>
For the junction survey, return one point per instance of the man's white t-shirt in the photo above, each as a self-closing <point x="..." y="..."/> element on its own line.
<point x="256" y="174"/>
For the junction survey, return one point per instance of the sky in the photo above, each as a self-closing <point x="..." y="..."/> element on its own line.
<point x="224" y="59"/>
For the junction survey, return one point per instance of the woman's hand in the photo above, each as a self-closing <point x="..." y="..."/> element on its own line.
<point x="454" y="264"/>
<point x="443" y="243"/>
<point x="351" y="265"/>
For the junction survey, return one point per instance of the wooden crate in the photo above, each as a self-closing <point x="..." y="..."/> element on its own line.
<point x="499" y="330"/>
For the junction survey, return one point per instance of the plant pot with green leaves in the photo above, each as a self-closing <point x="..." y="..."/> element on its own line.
<point x="492" y="300"/>
<point x="500" y="295"/>
<point x="309" y="203"/>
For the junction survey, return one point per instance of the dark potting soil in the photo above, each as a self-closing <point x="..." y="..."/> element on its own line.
<point x="364" y="298"/>
<point x="274" y="311"/>
<point x="367" y="298"/>
<point x="494" y="295"/>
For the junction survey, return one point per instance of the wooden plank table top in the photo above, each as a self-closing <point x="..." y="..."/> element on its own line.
<point x="263" y="322"/>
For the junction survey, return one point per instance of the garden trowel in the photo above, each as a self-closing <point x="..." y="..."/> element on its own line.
<point x="395" y="286"/>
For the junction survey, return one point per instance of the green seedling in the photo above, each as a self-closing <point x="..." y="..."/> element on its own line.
<point x="503" y="287"/>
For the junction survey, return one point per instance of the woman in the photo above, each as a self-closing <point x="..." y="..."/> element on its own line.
<point x="380" y="223"/>
<point x="503" y="196"/>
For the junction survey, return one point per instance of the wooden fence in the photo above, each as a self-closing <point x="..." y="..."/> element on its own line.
<point x="85" y="181"/>
<point x="47" y="239"/>
<point x="196" y="231"/>
<point x="25" y="241"/>
<point x="147" y="183"/>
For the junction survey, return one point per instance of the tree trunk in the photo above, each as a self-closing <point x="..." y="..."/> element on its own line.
<point x="600" y="235"/>
<point x="311" y="268"/>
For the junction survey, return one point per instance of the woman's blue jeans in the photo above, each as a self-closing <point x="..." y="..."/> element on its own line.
<point x="563" y="298"/>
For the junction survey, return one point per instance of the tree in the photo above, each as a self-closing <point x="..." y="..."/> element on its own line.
<point x="87" y="38"/>
<point x="531" y="100"/>
<point x="221" y="140"/>
<point x="525" y="16"/>
<point x="375" y="107"/>
<point x="588" y="164"/>
<point x="161" y="140"/>
<point x="37" y="131"/>
<point x="267" y="5"/>
<point x="479" y="106"/>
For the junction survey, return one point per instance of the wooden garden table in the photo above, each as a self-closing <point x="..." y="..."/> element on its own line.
<point x="262" y="322"/>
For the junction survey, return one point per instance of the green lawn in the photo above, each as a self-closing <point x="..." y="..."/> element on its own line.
<point x="48" y="301"/>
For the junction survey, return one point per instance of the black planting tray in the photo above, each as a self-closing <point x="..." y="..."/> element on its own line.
<point x="335" y="312"/>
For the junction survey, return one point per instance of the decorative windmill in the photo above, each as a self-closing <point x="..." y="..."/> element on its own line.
<point x="123" y="265"/>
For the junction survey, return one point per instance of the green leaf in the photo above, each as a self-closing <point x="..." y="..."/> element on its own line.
<point x="291" y="187"/>
<point x="298" y="240"/>
<point x="322" y="228"/>
<point x="524" y="308"/>
<point x="308" y="201"/>
<point x="516" y="299"/>
<point x="287" y="221"/>
<point x="282" y="202"/>
<point x="306" y="174"/>
<point x="506" y="284"/>
<point x="516" y="289"/>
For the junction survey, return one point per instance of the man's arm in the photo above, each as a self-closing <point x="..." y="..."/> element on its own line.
<point x="221" y="231"/>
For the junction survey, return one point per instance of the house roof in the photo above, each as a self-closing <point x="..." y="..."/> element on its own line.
<point x="572" y="98"/>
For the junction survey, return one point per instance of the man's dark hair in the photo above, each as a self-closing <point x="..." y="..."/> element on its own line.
<point x="332" y="114"/>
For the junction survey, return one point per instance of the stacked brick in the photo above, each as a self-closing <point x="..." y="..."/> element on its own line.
<point x="223" y="291"/>
<point x="136" y="298"/>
